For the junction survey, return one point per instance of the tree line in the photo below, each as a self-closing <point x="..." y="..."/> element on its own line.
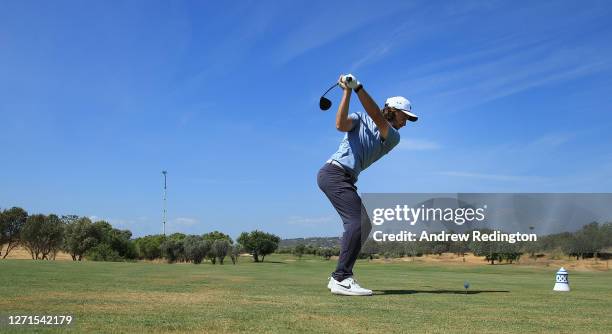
<point x="592" y="240"/>
<point x="43" y="236"/>
<point x="300" y="249"/>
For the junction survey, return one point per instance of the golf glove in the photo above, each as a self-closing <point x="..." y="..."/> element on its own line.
<point x="350" y="81"/>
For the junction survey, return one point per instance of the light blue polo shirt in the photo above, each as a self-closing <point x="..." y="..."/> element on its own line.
<point x="363" y="145"/>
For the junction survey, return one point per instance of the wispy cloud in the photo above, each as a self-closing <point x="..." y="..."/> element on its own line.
<point x="487" y="69"/>
<point x="512" y="161"/>
<point x="311" y="221"/>
<point x="530" y="150"/>
<point x="418" y="145"/>
<point x="394" y="41"/>
<point x="122" y="223"/>
<point x="551" y="140"/>
<point x="190" y="115"/>
<point x="245" y="25"/>
<point x="489" y="79"/>
<point x="595" y="178"/>
<point x="223" y="181"/>
<point x="326" y="25"/>
<point x="417" y="29"/>
<point x="185" y="221"/>
<point x="484" y="176"/>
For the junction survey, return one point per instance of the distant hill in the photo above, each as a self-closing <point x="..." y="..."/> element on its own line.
<point x="315" y="242"/>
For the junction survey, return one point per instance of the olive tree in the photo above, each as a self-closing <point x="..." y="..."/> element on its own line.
<point x="42" y="236"/>
<point x="11" y="224"/>
<point x="79" y="238"/>
<point x="220" y="248"/>
<point x="196" y="248"/>
<point x="259" y="243"/>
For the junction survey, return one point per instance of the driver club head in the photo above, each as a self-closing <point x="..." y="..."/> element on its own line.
<point x="324" y="103"/>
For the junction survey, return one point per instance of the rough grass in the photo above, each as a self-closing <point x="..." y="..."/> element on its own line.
<point x="284" y="295"/>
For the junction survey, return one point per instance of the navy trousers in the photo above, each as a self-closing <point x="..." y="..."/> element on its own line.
<point x="339" y="187"/>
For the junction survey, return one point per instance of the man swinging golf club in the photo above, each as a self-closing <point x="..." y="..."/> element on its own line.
<point x="369" y="136"/>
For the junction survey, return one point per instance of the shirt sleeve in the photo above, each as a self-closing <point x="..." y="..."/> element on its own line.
<point x="354" y="120"/>
<point x="393" y="138"/>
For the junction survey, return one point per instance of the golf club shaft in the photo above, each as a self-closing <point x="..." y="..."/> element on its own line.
<point x="330" y="88"/>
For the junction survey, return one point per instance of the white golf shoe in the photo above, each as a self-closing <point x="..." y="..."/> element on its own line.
<point x="348" y="287"/>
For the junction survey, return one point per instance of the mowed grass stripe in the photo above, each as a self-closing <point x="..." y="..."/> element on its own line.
<point x="290" y="295"/>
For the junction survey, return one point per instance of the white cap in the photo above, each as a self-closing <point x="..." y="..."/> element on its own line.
<point x="403" y="104"/>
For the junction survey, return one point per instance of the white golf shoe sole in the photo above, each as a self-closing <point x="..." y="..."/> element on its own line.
<point x="348" y="292"/>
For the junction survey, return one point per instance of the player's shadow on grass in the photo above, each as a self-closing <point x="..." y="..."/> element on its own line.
<point x="274" y="262"/>
<point x="451" y="292"/>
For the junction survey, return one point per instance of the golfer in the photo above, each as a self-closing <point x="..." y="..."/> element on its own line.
<point x="369" y="136"/>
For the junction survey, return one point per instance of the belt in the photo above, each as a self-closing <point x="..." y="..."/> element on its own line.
<point x="335" y="163"/>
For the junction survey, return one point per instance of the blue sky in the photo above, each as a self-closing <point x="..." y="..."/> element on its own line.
<point x="97" y="97"/>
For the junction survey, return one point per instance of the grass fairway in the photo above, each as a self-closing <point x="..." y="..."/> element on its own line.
<point x="283" y="295"/>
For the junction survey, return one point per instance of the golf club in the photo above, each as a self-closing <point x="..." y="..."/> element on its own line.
<point x="325" y="103"/>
